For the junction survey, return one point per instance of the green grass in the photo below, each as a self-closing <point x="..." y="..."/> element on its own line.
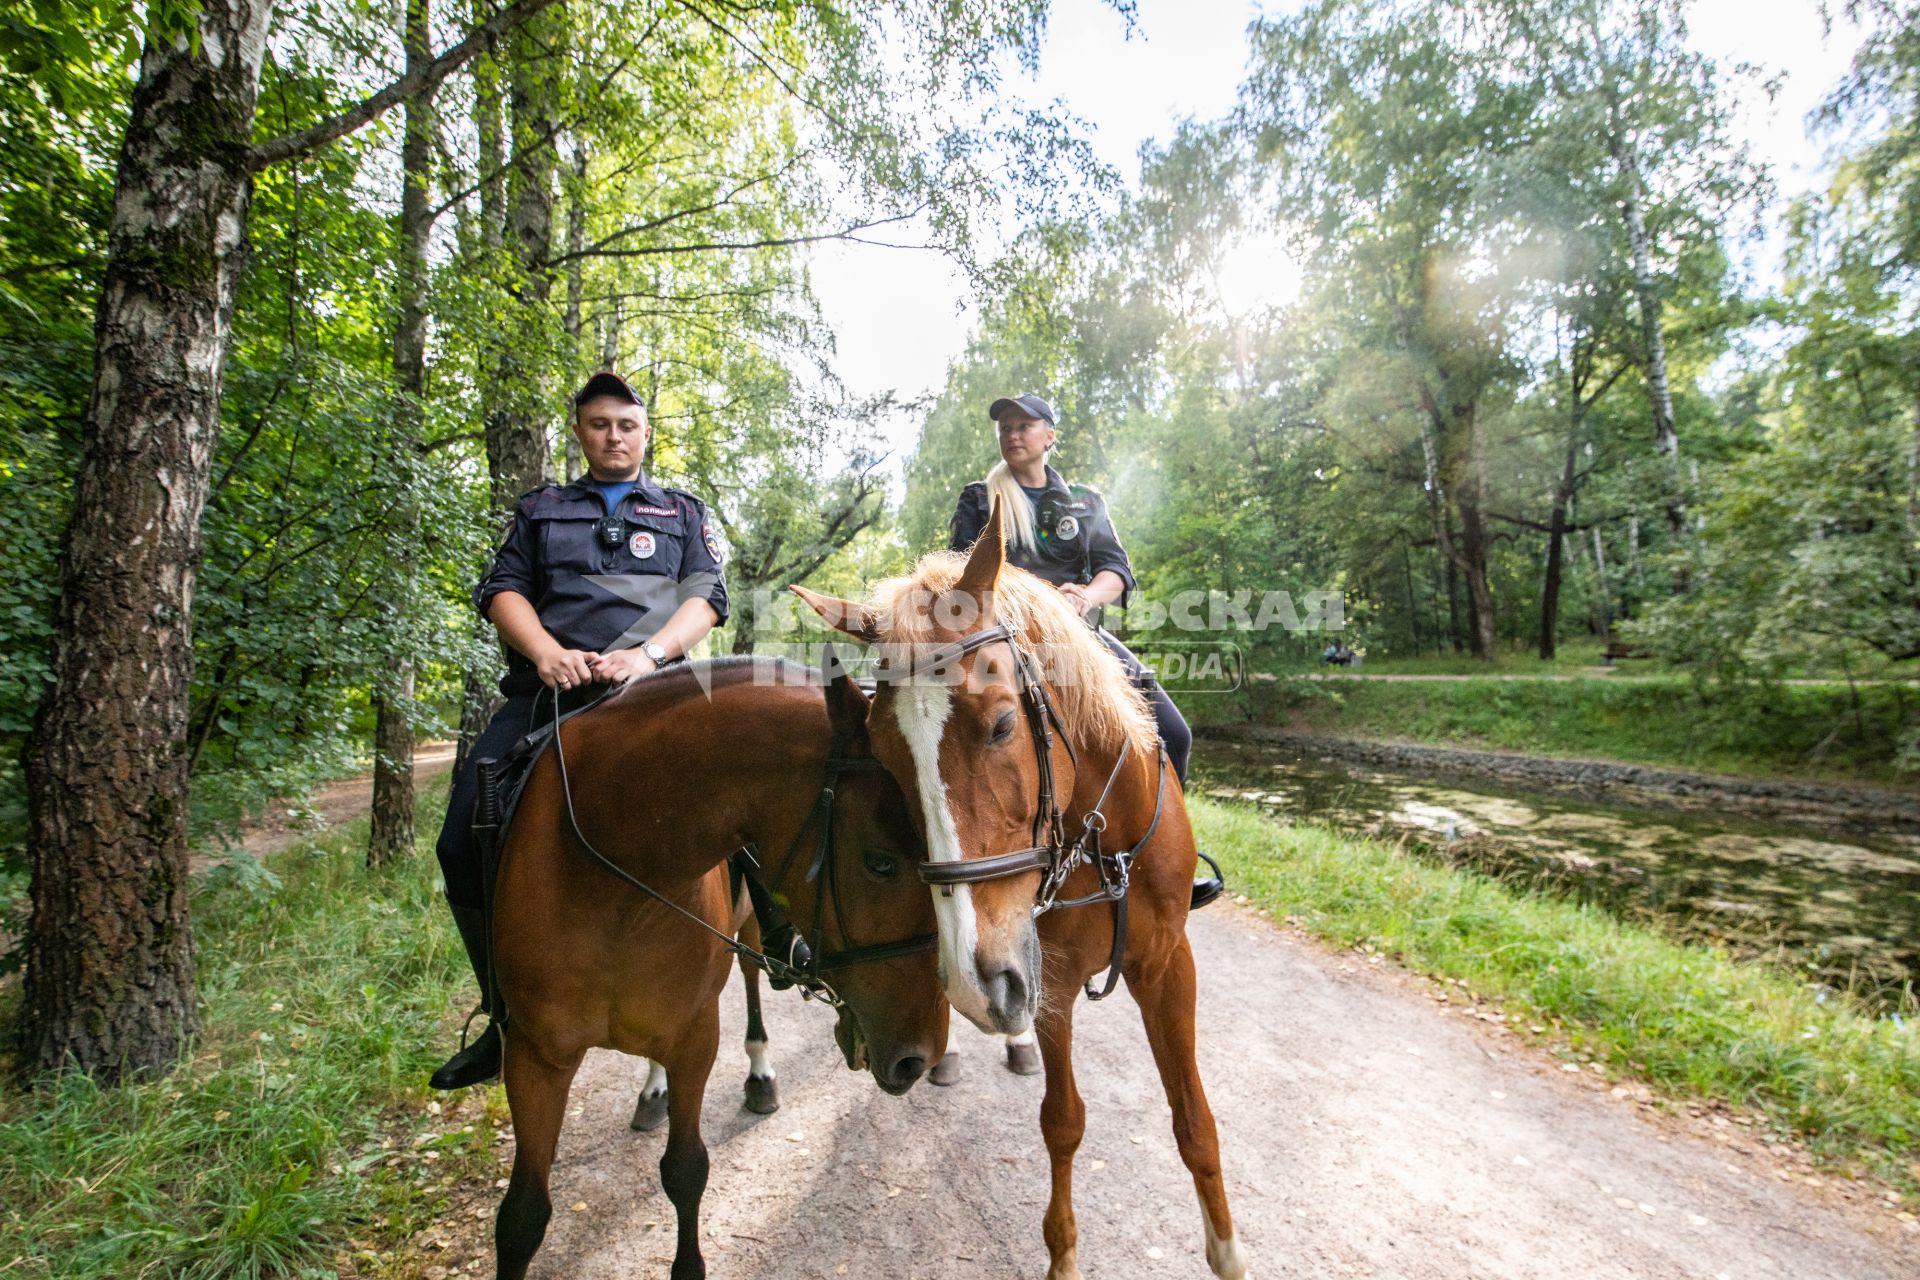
<point x="1571" y="659"/>
<point x="1686" y="1019"/>
<point x="1782" y="730"/>
<point x="298" y="1131"/>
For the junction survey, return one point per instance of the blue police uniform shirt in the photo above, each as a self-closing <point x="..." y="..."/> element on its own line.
<point x="1093" y="547"/>
<point x="597" y="593"/>
<point x="612" y="491"/>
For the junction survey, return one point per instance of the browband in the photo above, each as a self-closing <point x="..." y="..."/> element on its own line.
<point x="974" y="870"/>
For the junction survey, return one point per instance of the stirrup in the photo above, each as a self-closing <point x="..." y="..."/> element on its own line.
<point x="475" y="1062"/>
<point x="1207" y="889"/>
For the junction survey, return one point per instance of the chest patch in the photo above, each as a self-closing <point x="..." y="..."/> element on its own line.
<point x="642" y="545"/>
<point x="1068" y="529"/>
<point x="642" y="509"/>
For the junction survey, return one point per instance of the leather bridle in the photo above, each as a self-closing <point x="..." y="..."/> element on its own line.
<point x="808" y="973"/>
<point x="1051" y="852"/>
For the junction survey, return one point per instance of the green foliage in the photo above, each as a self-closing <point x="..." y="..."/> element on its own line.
<point x="1689" y="1021"/>
<point x="330" y="993"/>
<point x="622" y="185"/>
<point x="1810" y="541"/>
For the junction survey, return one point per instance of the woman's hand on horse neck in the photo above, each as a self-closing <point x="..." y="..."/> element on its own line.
<point x="1106" y="586"/>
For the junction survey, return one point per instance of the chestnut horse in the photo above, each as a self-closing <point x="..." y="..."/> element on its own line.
<point x="1059" y="848"/>
<point x="665" y="780"/>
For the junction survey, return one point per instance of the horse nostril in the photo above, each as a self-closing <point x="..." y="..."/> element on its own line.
<point x="907" y="1070"/>
<point x="1007" y="991"/>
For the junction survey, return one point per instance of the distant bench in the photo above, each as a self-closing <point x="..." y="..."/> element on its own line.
<point x="1618" y="649"/>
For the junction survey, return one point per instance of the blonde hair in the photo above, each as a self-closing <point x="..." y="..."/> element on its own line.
<point x="1016" y="509"/>
<point x="1097" y="701"/>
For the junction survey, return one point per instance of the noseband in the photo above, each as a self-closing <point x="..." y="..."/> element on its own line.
<point x="1051" y="851"/>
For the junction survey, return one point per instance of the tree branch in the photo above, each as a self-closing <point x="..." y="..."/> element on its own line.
<point x="777" y="242"/>
<point x="424" y="80"/>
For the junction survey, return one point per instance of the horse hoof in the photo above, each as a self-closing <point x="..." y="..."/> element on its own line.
<point x="1024" y="1059"/>
<point x="763" y="1095"/>
<point x="947" y="1071"/>
<point x="650" y="1112"/>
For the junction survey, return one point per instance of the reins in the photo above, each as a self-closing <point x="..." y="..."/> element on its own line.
<point x="797" y="969"/>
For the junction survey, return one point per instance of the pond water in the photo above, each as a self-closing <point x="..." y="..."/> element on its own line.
<point x="1841" y="902"/>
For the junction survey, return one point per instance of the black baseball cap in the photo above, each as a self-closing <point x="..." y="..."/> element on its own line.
<point x="607" y="383"/>
<point x="1030" y="404"/>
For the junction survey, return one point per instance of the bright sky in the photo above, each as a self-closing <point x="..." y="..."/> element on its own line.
<point x="902" y="315"/>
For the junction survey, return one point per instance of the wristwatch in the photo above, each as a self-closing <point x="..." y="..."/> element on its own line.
<point x="655" y="652"/>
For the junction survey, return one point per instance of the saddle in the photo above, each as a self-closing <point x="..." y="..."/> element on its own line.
<point x="502" y="783"/>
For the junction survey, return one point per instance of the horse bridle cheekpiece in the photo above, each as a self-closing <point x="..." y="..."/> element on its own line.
<point x="1051" y="852"/>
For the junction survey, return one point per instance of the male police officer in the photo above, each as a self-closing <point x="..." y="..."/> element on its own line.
<point x="598" y="582"/>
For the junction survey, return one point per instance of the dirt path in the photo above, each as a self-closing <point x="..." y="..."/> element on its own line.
<point x="1368" y="1130"/>
<point x="334" y="805"/>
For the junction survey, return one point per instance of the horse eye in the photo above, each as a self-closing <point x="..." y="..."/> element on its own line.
<point x="1002" y="729"/>
<point x="884" y="865"/>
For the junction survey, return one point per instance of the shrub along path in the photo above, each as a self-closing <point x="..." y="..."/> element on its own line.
<point x="1368" y="1130"/>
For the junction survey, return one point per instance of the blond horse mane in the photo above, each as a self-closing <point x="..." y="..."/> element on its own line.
<point x="1096" y="700"/>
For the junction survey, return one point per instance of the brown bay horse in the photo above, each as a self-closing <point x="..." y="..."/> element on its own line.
<point x="666" y="779"/>
<point x="1057" y="838"/>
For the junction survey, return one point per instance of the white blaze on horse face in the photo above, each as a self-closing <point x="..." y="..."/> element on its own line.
<point x="921" y="709"/>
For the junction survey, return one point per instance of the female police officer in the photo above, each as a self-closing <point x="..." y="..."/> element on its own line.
<point x="598" y="581"/>
<point x="1062" y="533"/>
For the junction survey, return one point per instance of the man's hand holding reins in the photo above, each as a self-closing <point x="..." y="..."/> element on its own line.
<point x="621" y="665"/>
<point x="566" y="668"/>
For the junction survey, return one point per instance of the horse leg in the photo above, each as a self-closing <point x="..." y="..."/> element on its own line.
<point x="1063" y="1122"/>
<point x="537" y="1096"/>
<point x="763" y="1092"/>
<point x="1166" y="999"/>
<point x="1023" y="1055"/>
<point x="650" y="1112"/>
<point x="683" y="1165"/>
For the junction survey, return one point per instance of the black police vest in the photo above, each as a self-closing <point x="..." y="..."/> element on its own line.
<point x="1063" y="536"/>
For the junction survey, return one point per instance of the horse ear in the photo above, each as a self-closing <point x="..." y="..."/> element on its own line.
<point x="847" y="704"/>
<point x="988" y="555"/>
<point x="856" y="620"/>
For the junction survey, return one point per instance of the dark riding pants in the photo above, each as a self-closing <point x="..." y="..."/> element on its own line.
<point x="1174" y="732"/>
<point x="459" y="860"/>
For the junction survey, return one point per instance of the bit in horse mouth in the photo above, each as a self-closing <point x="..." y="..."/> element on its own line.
<point x="853" y="1045"/>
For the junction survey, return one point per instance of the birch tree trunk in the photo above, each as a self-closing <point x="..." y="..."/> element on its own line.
<point x="392" y="834"/>
<point x="525" y="408"/>
<point x="1913" y="482"/>
<point x="109" y="983"/>
<point x="1653" y="340"/>
<point x="576" y="288"/>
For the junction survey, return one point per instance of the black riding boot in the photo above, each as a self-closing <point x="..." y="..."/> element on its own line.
<point x="479" y="1061"/>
